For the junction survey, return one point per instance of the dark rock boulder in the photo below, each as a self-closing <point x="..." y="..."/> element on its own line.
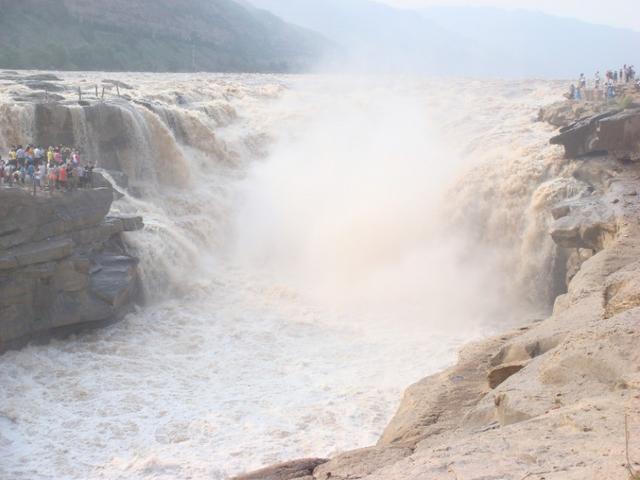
<point x="39" y="85"/>
<point x="24" y="218"/>
<point x="294" y="470"/>
<point x="115" y="281"/>
<point x="615" y="132"/>
<point x="620" y="135"/>
<point x="499" y="374"/>
<point x="38" y="97"/>
<point x="581" y="138"/>
<point x="583" y="229"/>
<point x="45" y="77"/>
<point x="63" y="266"/>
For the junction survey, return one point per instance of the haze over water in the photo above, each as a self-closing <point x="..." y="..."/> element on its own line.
<point x="313" y="246"/>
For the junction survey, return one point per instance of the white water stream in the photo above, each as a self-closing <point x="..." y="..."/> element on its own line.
<point x="326" y="242"/>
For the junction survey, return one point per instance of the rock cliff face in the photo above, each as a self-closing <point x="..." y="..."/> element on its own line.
<point x="549" y="400"/>
<point x="63" y="266"/>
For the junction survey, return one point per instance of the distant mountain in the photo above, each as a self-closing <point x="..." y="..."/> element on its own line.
<point x="471" y="41"/>
<point x="525" y="43"/>
<point x="151" y="35"/>
<point x="373" y="36"/>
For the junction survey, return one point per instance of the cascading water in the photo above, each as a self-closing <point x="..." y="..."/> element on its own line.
<point x="312" y="246"/>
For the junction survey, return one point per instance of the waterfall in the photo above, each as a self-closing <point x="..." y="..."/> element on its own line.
<point x="312" y="245"/>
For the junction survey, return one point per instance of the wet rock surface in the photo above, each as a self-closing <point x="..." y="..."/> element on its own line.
<point x="581" y="138"/>
<point x="615" y="132"/>
<point x="62" y="264"/>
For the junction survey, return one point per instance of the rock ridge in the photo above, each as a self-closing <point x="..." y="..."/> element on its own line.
<point x="63" y="266"/>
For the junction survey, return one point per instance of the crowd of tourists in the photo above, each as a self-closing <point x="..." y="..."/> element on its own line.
<point x="54" y="169"/>
<point x="604" y="87"/>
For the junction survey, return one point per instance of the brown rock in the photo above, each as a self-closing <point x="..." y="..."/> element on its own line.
<point x="499" y="374"/>
<point x="294" y="470"/>
<point x="360" y="463"/>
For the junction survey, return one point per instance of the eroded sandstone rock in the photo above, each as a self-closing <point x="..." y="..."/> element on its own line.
<point x="359" y="463"/>
<point x="620" y="135"/>
<point x="622" y="291"/>
<point x="500" y="373"/>
<point x="581" y="138"/>
<point x="62" y="265"/>
<point x="564" y="113"/>
<point x="294" y="470"/>
<point x="585" y="223"/>
<point x="614" y="132"/>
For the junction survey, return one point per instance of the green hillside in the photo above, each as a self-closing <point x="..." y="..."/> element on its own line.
<point x="151" y="35"/>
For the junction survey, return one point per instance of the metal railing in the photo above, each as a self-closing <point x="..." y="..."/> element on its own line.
<point x="98" y="91"/>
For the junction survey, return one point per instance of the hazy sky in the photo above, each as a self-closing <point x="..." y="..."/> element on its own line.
<point x="619" y="13"/>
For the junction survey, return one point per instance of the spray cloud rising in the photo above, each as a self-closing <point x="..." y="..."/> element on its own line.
<point x="313" y="245"/>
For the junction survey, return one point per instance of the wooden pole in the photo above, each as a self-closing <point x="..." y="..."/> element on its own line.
<point x="103" y="92"/>
<point x="118" y="89"/>
<point x="96" y="90"/>
<point x="79" y="94"/>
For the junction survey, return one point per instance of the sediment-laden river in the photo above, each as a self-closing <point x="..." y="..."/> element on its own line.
<point x="312" y="246"/>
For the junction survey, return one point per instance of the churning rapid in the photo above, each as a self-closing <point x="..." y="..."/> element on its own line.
<point x="313" y="245"/>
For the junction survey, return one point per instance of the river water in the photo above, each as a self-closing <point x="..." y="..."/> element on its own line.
<point x="313" y="245"/>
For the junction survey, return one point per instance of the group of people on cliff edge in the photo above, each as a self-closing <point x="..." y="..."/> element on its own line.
<point x="602" y="90"/>
<point x="55" y="168"/>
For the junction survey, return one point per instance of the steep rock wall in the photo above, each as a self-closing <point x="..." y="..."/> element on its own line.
<point x="63" y="266"/>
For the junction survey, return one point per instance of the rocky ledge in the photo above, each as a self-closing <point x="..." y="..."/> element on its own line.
<point x="63" y="265"/>
<point x="555" y="399"/>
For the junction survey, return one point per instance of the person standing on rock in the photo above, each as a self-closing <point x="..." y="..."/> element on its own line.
<point x="78" y="173"/>
<point x="62" y="177"/>
<point x="31" y="176"/>
<point x="20" y="156"/>
<point x="29" y="156"/>
<point x="13" y="158"/>
<point x="597" y="79"/>
<point x="41" y="174"/>
<point x="50" y="157"/>
<point x="88" y="174"/>
<point x="39" y="155"/>
<point x="8" y="174"/>
<point x="75" y="157"/>
<point x="610" y="90"/>
<point x="53" y="178"/>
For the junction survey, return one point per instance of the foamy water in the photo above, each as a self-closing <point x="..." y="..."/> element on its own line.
<point x="335" y="241"/>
